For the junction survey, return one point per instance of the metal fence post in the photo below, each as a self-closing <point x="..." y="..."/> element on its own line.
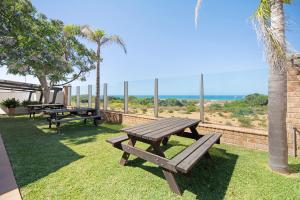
<point x="201" y="99"/>
<point x="156" y="97"/>
<point x="69" y="95"/>
<point x="125" y="97"/>
<point x="294" y="141"/>
<point x="90" y="96"/>
<point x="105" y="100"/>
<point x="78" y="96"/>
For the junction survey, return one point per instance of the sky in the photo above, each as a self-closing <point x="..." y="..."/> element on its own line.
<point x="162" y="42"/>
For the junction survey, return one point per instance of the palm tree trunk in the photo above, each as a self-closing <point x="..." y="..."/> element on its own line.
<point x="97" y="99"/>
<point x="278" y="151"/>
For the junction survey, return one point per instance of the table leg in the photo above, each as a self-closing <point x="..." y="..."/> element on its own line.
<point x="168" y="175"/>
<point x="195" y="133"/>
<point x="126" y="155"/>
<point x="197" y="136"/>
<point x="165" y="141"/>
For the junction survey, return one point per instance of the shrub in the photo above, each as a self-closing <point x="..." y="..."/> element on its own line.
<point x="170" y="111"/>
<point x="214" y="107"/>
<point x="220" y="114"/>
<point x="228" y="123"/>
<point x="144" y="110"/>
<point x="245" y="122"/>
<point x="238" y="112"/>
<point x="26" y="103"/>
<point x="84" y="100"/>
<point x="191" y="109"/>
<point x="171" y="102"/>
<point x="11" y="103"/>
<point x="256" y="99"/>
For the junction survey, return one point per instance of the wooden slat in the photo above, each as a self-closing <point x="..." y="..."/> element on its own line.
<point x="162" y="130"/>
<point x="156" y="127"/>
<point x="192" y="159"/>
<point x="157" y="135"/>
<point x="75" y="118"/>
<point x="118" y="139"/>
<point x="148" y="124"/>
<point x="158" y="160"/>
<point x="186" y="152"/>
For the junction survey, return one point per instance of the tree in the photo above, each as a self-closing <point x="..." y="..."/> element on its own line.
<point x="32" y="44"/>
<point x="270" y="25"/>
<point x="100" y="38"/>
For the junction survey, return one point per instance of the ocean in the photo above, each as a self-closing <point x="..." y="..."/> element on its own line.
<point x="191" y="97"/>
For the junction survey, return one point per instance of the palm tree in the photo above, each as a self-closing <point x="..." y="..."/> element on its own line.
<point x="101" y="39"/>
<point x="269" y="22"/>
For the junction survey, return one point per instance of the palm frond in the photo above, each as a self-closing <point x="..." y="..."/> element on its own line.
<point x="114" y="39"/>
<point x="88" y="32"/>
<point x="274" y="49"/>
<point x="197" y="8"/>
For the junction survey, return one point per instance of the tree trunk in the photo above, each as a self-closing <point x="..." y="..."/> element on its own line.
<point x="278" y="151"/>
<point x="45" y="88"/>
<point x="97" y="99"/>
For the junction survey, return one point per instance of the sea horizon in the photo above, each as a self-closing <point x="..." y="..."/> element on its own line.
<point x="188" y="97"/>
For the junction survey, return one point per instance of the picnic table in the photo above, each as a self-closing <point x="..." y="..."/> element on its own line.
<point x="58" y="116"/>
<point x="159" y="131"/>
<point x="32" y="109"/>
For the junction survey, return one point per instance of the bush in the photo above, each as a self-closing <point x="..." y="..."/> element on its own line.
<point x="238" y="112"/>
<point x="26" y="103"/>
<point x="245" y="122"/>
<point x="144" y="110"/>
<point x="84" y="100"/>
<point x="256" y="99"/>
<point x="191" y="109"/>
<point x="11" y="103"/>
<point x="171" y="102"/>
<point x="214" y="107"/>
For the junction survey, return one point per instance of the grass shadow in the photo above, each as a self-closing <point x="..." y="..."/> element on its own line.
<point x="294" y="168"/>
<point x="35" y="151"/>
<point x="209" y="179"/>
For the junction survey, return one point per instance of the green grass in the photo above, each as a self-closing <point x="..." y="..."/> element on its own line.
<point x="80" y="165"/>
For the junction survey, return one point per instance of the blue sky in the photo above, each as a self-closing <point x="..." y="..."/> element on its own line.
<point x="162" y="42"/>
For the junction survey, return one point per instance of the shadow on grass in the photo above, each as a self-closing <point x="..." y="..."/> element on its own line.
<point x="294" y="168"/>
<point x="209" y="179"/>
<point x="35" y="152"/>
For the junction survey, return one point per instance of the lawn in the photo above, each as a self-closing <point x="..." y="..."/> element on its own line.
<point x="79" y="164"/>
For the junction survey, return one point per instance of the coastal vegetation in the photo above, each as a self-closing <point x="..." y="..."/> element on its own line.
<point x="251" y="111"/>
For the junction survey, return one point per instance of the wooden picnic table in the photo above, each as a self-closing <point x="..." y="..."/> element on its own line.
<point x="32" y="109"/>
<point x="159" y="131"/>
<point x="57" y="116"/>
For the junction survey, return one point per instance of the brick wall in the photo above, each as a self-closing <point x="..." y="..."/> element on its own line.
<point x="237" y="136"/>
<point x="293" y="105"/>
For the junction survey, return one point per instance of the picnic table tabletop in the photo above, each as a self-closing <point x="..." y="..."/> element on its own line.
<point x="70" y="110"/>
<point x="45" y="105"/>
<point x="159" y="129"/>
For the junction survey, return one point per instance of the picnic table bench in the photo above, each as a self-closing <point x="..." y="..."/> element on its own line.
<point x="159" y="131"/>
<point x="33" y="109"/>
<point x="58" y="116"/>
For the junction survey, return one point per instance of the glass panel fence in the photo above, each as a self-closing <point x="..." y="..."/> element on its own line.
<point x="237" y="98"/>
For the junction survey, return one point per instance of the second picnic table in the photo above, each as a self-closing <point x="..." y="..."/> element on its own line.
<point x="57" y="116"/>
<point x="159" y="131"/>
